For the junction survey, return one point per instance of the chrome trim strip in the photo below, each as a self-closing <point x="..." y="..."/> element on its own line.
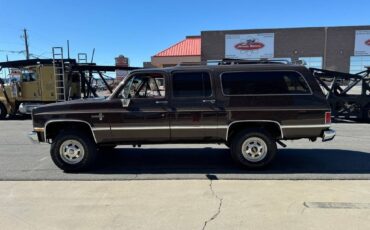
<point x="199" y="127"/>
<point x="305" y="126"/>
<point x="69" y="120"/>
<point x="170" y="127"/>
<point x="101" y="128"/>
<point x="249" y="121"/>
<point x="186" y="110"/>
<point x="140" y="128"/>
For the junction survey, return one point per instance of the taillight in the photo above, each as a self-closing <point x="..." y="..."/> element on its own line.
<point x="327" y="117"/>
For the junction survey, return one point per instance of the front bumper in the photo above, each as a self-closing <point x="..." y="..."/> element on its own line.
<point x="328" y="135"/>
<point x="34" y="137"/>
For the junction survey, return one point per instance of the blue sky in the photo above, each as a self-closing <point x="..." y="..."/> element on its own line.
<point x="139" y="29"/>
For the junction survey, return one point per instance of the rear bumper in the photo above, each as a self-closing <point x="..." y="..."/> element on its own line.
<point x="328" y="135"/>
<point x="34" y="137"/>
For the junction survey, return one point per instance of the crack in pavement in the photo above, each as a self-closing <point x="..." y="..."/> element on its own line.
<point x="214" y="216"/>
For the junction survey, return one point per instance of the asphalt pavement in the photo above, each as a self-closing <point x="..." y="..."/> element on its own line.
<point x="346" y="157"/>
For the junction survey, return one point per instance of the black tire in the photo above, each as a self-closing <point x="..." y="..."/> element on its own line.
<point x="259" y="140"/>
<point x="82" y="141"/>
<point x="365" y="115"/>
<point x="3" y="111"/>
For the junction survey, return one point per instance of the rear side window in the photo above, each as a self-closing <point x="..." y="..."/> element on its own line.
<point x="192" y="84"/>
<point x="259" y="83"/>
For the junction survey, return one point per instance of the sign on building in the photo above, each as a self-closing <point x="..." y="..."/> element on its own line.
<point x="249" y="45"/>
<point x="362" y="42"/>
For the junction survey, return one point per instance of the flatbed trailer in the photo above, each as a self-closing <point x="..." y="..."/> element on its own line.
<point x="348" y="94"/>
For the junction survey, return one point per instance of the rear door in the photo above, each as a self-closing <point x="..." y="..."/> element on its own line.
<point x="193" y="104"/>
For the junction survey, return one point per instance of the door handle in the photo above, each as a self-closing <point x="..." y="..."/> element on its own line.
<point x="161" y="102"/>
<point x="212" y="101"/>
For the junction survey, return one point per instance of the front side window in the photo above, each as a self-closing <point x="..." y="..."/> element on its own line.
<point x="191" y="84"/>
<point x="264" y="83"/>
<point x="144" y="86"/>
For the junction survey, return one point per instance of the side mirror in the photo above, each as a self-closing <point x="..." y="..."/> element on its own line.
<point x="125" y="102"/>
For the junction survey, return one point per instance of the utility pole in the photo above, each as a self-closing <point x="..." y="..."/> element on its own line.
<point x="92" y="56"/>
<point x="68" y="48"/>
<point x="26" y="43"/>
<point x="325" y="49"/>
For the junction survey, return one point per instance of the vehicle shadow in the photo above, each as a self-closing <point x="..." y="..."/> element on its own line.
<point x="18" y="117"/>
<point x="213" y="161"/>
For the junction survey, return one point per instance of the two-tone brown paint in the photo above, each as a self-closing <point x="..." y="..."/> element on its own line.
<point x="177" y="120"/>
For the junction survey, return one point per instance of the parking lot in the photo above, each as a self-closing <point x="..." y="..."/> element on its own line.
<point x="346" y="157"/>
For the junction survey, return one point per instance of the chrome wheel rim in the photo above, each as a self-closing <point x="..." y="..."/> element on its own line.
<point x="254" y="149"/>
<point x="71" y="151"/>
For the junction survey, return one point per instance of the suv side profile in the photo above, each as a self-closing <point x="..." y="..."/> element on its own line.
<point x="250" y="107"/>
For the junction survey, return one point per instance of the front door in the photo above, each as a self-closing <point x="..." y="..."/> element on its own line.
<point x="141" y="110"/>
<point x="194" y="113"/>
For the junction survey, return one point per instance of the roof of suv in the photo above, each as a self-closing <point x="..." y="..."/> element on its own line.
<point x="269" y="66"/>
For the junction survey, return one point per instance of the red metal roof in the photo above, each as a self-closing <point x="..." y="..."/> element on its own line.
<point x="188" y="47"/>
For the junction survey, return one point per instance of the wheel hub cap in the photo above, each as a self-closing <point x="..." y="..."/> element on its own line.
<point x="254" y="149"/>
<point x="71" y="151"/>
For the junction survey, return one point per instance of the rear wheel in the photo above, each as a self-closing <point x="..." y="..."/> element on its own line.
<point x="253" y="148"/>
<point x="73" y="151"/>
<point x="3" y="111"/>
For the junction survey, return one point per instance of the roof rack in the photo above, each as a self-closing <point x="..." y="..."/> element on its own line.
<point x="232" y="61"/>
<point x="190" y="63"/>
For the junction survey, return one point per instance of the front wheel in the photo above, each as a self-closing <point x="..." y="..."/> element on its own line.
<point x="73" y="151"/>
<point x="253" y="148"/>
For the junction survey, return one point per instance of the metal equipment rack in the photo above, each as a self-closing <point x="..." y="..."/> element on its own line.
<point x="65" y="70"/>
<point x="58" y="65"/>
<point x="340" y="91"/>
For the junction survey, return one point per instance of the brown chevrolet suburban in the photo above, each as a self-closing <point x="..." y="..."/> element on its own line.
<point x="248" y="106"/>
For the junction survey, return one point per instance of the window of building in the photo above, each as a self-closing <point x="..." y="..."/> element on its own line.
<point x="267" y="83"/>
<point x="191" y="84"/>
<point x="312" y="62"/>
<point x="358" y="63"/>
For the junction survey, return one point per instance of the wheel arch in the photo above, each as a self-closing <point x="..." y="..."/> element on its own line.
<point x="273" y="127"/>
<point x="53" y="127"/>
